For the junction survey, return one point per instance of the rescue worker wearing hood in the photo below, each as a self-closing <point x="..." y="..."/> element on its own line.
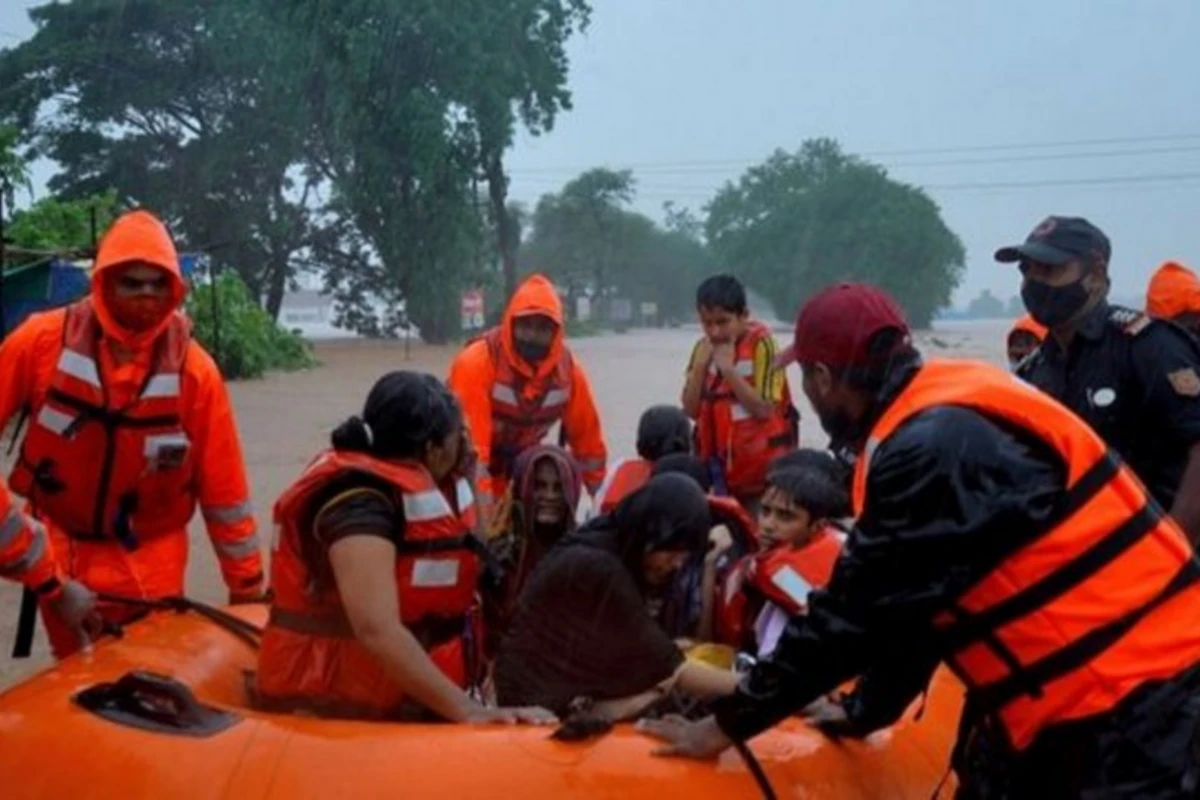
<point x="519" y="379"/>
<point x="995" y="532"/>
<point x="1133" y="378"/>
<point x="1174" y="294"/>
<point x="130" y="428"/>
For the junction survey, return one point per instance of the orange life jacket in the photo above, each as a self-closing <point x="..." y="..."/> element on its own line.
<point x="1103" y="601"/>
<point x="309" y="656"/>
<point x="783" y="575"/>
<point x="110" y="473"/>
<point x="523" y="411"/>
<point x="728" y="433"/>
<point x="627" y="477"/>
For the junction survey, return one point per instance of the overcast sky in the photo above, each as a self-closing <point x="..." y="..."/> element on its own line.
<point x="688" y="93"/>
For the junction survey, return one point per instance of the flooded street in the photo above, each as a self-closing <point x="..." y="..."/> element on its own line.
<point x="286" y="418"/>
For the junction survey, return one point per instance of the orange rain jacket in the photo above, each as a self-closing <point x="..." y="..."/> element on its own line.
<point x="1174" y="289"/>
<point x="487" y="375"/>
<point x="25" y="550"/>
<point x="127" y="434"/>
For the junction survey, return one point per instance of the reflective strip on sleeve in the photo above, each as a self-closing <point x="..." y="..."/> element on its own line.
<point x="79" y="366"/>
<point x="792" y="584"/>
<point x="12" y="525"/>
<point x="35" y="553"/>
<point x="228" y="515"/>
<point x="242" y="549"/>
<point x="166" y="385"/>
<point x="463" y="494"/>
<point x="422" y="506"/>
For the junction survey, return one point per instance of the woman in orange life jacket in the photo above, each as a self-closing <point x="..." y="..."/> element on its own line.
<point x="374" y="570"/>
<point x="994" y="532"/>
<point x="799" y="549"/>
<point x="537" y="509"/>
<point x="1025" y="336"/>
<point x="736" y="394"/>
<point x="582" y="627"/>
<point x="662" y="431"/>
<point x="686" y="609"/>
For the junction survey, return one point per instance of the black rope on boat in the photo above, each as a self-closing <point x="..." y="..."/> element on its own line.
<point x="248" y="632"/>
<point x="760" y="775"/>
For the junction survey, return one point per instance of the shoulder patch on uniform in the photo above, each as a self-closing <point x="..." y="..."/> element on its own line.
<point x="1185" y="382"/>
<point x="1128" y="320"/>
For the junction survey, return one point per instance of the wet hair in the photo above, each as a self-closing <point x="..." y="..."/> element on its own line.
<point x="405" y="412"/>
<point x="684" y="464"/>
<point x="817" y="490"/>
<point x="662" y="431"/>
<point x="722" y="291"/>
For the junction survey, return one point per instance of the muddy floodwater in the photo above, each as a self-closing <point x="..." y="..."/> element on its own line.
<point x="284" y="419"/>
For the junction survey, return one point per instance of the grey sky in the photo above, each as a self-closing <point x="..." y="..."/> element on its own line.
<point x="689" y="92"/>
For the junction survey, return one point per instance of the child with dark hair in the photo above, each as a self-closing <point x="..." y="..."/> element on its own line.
<point x="799" y="550"/>
<point x="736" y="394"/>
<point x="663" y="431"/>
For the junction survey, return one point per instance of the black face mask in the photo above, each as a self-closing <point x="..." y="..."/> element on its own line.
<point x="532" y="352"/>
<point x="1053" y="305"/>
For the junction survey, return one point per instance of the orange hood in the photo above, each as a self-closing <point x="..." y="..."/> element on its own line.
<point x="1174" y="289"/>
<point x="1028" y="325"/>
<point x="135" y="236"/>
<point x="535" y="295"/>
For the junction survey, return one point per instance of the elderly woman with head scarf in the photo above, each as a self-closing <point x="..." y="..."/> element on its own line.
<point x="537" y="511"/>
<point x="582" y="627"/>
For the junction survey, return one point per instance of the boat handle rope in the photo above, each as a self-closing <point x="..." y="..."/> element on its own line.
<point x="248" y="632"/>
<point x="756" y="770"/>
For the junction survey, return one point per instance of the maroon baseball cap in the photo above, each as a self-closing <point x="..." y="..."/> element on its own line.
<point x="836" y="324"/>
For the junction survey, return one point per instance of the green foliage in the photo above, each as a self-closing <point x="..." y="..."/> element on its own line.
<point x="14" y="168"/>
<point x="801" y="221"/>
<point x="62" y="225"/>
<point x="244" y="339"/>
<point x="590" y="243"/>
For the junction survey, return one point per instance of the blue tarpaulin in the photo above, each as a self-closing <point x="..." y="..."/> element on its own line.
<point x="55" y="284"/>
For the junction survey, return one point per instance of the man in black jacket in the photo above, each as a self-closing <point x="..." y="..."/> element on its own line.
<point x="952" y="495"/>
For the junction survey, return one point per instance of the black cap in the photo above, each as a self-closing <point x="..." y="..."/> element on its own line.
<point x="1058" y="240"/>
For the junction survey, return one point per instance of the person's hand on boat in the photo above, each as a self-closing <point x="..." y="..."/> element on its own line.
<point x="75" y="607"/>
<point x="511" y="715"/>
<point x="700" y="740"/>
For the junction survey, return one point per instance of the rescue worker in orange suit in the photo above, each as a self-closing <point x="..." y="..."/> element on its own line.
<point x="799" y="548"/>
<point x="1024" y="338"/>
<point x="25" y="557"/>
<point x="515" y="382"/>
<point x="129" y="429"/>
<point x="662" y="431"/>
<point x="995" y="532"/>
<point x="375" y="570"/>
<point x="1174" y="294"/>
<point x="735" y="393"/>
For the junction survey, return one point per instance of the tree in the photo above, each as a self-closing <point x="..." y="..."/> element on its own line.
<point x="176" y="106"/>
<point x="801" y="221"/>
<point x="986" y="306"/>
<point x="14" y="168"/>
<point x="52" y="224"/>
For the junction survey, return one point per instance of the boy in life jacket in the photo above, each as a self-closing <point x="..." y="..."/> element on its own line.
<point x="1025" y="336"/>
<point x="662" y="431"/>
<point x="735" y="393"/>
<point x="800" y="548"/>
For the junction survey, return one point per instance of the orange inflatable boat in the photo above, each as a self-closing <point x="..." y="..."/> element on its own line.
<point x="100" y="724"/>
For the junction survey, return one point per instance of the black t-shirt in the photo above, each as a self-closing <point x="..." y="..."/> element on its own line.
<point x="1136" y="381"/>
<point x="354" y="504"/>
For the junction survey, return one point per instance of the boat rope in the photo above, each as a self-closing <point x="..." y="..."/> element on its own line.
<point x="248" y="632"/>
<point x="760" y="775"/>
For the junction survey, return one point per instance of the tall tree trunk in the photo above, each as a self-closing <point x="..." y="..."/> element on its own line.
<point x="506" y="239"/>
<point x="277" y="285"/>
